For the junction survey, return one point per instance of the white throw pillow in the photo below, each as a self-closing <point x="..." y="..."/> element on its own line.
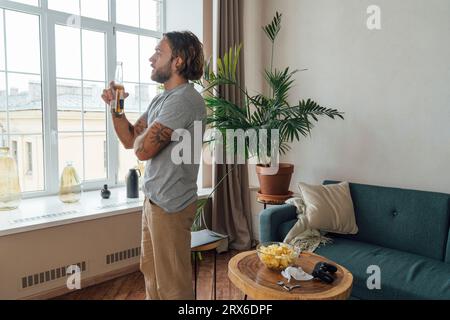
<point x="329" y="208"/>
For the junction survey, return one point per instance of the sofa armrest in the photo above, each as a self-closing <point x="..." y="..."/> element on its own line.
<point x="271" y="218"/>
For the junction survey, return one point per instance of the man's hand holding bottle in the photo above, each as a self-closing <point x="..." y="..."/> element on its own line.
<point x="115" y="96"/>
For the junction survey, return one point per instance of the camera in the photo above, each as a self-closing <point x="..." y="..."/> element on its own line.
<point x="324" y="271"/>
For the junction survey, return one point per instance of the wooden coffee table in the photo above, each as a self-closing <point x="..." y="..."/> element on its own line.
<point x="251" y="276"/>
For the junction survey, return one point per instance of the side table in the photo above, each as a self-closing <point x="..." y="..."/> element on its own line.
<point x="204" y="241"/>
<point x="255" y="280"/>
<point x="272" y="200"/>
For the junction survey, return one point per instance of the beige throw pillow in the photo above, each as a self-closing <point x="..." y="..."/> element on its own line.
<point x="329" y="208"/>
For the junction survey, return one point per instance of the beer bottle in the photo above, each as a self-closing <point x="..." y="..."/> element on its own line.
<point x="119" y="89"/>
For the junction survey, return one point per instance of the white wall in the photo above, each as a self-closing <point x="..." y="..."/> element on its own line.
<point x="185" y="15"/>
<point x="392" y="84"/>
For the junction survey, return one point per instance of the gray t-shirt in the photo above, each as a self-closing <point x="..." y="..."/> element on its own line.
<point x="171" y="186"/>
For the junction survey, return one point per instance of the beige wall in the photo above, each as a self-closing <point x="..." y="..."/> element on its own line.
<point x="254" y="60"/>
<point x="392" y="84"/>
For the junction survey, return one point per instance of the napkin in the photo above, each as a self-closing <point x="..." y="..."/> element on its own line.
<point x="296" y="273"/>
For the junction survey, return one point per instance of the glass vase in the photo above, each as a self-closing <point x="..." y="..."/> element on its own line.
<point x="10" y="193"/>
<point x="70" y="186"/>
<point x="141" y="168"/>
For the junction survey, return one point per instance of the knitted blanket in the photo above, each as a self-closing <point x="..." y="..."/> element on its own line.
<point x="301" y="235"/>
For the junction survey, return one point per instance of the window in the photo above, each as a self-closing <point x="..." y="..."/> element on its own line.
<point x="82" y="117"/>
<point x="56" y="57"/>
<point x="143" y="14"/>
<point x="21" y="112"/>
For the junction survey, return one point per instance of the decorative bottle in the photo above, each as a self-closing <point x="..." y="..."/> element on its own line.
<point x="133" y="184"/>
<point x="141" y="168"/>
<point x="70" y="186"/>
<point x="10" y="192"/>
<point x="105" y="193"/>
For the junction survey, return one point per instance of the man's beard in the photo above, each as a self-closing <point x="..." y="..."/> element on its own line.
<point x="163" y="74"/>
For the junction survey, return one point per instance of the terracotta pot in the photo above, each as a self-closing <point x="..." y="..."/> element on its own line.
<point x="275" y="184"/>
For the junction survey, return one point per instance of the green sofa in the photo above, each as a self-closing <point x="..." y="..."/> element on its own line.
<point x="403" y="232"/>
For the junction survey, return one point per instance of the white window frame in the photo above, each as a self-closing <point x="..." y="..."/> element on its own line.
<point x="48" y="20"/>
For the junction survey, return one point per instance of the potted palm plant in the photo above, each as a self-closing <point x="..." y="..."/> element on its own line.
<point x="257" y="112"/>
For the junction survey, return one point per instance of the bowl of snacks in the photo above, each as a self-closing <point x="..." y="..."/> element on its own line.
<point x="277" y="256"/>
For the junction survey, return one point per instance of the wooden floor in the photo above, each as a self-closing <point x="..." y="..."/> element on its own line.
<point x="131" y="287"/>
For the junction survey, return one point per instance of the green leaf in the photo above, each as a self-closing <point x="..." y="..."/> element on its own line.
<point x="273" y="28"/>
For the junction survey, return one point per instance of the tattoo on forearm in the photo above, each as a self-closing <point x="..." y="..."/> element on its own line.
<point x="157" y="138"/>
<point x="160" y="135"/>
<point x="141" y="148"/>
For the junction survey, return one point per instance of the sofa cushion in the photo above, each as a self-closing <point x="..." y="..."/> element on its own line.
<point x="329" y="208"/>
<point x="403" y="275"/>
<point x="406" y="220"/>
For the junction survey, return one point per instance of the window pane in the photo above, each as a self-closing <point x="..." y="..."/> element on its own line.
<point x="30" y="2"/>
<point x="94" y="153"/>
<point x="69" y="105"/>
<point x="127" y="52"/>
<point x="94" y="107"/>
<point x="70" y="149"/>
<point x="28" y="150"/>
<point x="25" y="103"/>
<point x="2" y="43"/>
<point x="148" y="92"/>
<point x="22" y="42"/>
<point x="68" y="55"/>
<point x="128" y="12"/>
<point x="127" y="161"/>
<point x="3" y="120"/>
<point x="93" y="55"/>
<point x="150" y="14"/>
<point x="97" y="9"/>
<point x="69" y="6"/>
<point x="147" y="49"/>
<point x="127" y="158"/>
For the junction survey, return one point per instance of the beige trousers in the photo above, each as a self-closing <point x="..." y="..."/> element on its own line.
<point x="166" y="252"/>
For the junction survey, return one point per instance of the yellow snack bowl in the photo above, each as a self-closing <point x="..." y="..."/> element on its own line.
<point x="277" y="256"/>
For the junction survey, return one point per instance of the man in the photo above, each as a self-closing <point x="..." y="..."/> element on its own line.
<point x="170" y="190"/>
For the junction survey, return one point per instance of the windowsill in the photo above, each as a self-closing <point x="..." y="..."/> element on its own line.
<point x="46" y="212"/>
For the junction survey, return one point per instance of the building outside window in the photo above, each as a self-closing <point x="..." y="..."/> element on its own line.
<point x="29" y="155"/>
